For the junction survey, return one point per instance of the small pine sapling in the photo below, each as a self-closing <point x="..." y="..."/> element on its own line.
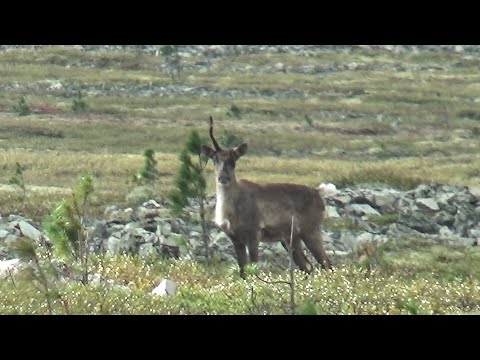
<point x="190" y="182"/>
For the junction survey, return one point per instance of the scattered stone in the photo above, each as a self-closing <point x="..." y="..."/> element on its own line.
<point x="148" y="250"/>
<point x="151" y="204"/>
<point x="327" y="190"/>
<point x="420" y="222"/>
<point x="13" y="218"/>
<point x="475" y="191"/>
<point x="445" y="233"/>
<point x="427" y="203"/>
<point x="169" y="241"/>
<point x="385" y="201"/>
<point x="444" y="199"/>
<point x="9" y="267"/>
<point x="342" y="200"/>
<point x="337" y="253"/>
<point x="361" y="209"/>
<point x="120" y="216"/>
<point x="29" y="231"/>
<point x="444" y="218"/>
<point x="348" y="240"/>
<point x="474" y="233"/>
<point x="114" y="245"/>
<point x="331" y="212"/>
<point x="363" y="239"/>
<point x="166" y="287"/>
<point x="166" y="229"/>
<point x="444" y="212"/>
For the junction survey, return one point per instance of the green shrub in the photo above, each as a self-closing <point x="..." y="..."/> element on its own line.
<point x="190" y="182"/>
<point x="385" y="219"/>
<point x="469" y="114"/>
<point x="341" y="224"/>
<point x="308" y="120"/>
<point x="148" y="174"/>
<point x="230" y="140"/>
<point x="65" y="227"/>
<point x="79" y="105"/>
<point x="22" y="108"/>
<point x="17" y="178"/>
<point x="234" y="112"/>
<point x="173" y="60"/>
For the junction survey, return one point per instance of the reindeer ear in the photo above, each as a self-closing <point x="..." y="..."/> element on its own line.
<point x="240" y="150"/>
<point x="208" y="152"/>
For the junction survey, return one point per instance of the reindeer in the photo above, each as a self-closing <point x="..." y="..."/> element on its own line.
<point x="249" y="213"/>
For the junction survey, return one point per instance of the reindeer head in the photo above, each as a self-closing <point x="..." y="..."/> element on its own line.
<point x="223" y="160"/>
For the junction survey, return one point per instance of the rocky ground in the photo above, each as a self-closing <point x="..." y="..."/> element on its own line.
<point x="229" y="50"/>
<point x="355" y="216"/>
<point x="201" y="58"/>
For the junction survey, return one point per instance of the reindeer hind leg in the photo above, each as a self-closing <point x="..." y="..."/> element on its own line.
<point x="314" y="243"/>
<point x="298" y="255"/>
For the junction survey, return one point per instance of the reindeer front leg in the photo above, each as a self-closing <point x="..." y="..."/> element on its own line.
<point x="241" y="252"/>
<point x="226" y="227"/>
<point x="253" y="242"/>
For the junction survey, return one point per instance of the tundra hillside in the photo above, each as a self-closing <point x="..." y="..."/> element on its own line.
<point x="395" y="116"/>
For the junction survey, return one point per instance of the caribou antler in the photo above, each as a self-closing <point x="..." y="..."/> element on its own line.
<point x="217" y="148"/>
